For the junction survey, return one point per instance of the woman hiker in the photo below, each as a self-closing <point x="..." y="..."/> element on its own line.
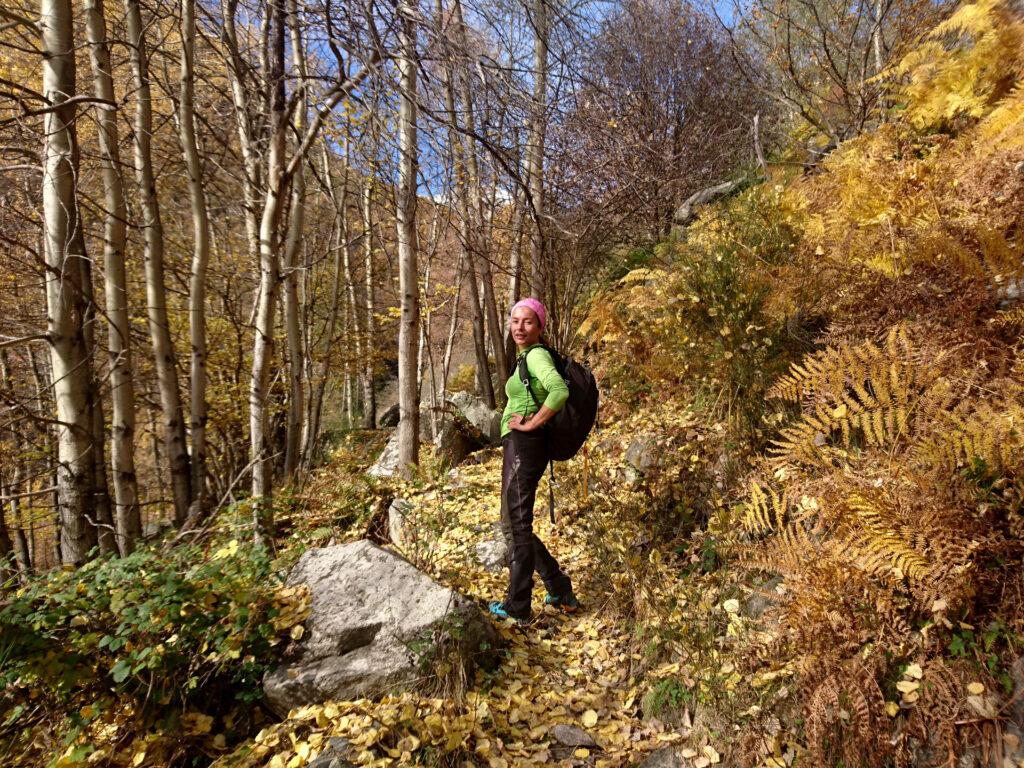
<point x="525" y="456"/>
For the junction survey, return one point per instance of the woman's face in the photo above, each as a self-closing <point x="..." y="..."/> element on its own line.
<point x="525" y="327"/>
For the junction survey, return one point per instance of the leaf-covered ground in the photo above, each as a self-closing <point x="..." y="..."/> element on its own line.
<point x="585" y="670"/>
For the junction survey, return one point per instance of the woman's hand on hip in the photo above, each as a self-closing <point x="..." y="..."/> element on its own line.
<point x="519" y="424"/>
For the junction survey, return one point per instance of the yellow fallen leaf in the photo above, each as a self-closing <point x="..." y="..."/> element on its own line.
<point x="975" y="689"/>
<point x="139" y="757"/>
<point x="711" y="754"/>
<point x="581" y="753"/>
<point x="589" y="718"/>
<point x="907" y="686"/>
<point x="297" y="632"/>
<point x="914" y="672"/>
<point x="892" y="708"/>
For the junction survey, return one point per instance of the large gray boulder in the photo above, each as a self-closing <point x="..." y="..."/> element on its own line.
<point x="457" y="439"/>
<point x="486" y="419"/>
<point x="377" y="625"/>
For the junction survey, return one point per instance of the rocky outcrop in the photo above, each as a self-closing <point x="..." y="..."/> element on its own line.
<point x="487" y="420"/>
<point x="389" y="419"/>
<point x="398" y="522"/>
<point x="386" y="464"/>
<point x="377" y="625"/>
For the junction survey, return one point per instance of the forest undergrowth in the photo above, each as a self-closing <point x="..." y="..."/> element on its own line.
<point x="797" y="535"/>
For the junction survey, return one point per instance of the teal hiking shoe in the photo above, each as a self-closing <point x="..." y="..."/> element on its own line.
<point x="498" y="609"/>
<point x="566" y="603"/>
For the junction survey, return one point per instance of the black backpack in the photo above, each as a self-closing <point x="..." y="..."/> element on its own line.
<point x="568" y="429"/>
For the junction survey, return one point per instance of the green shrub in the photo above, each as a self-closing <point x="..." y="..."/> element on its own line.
<point x="154" y="625"/>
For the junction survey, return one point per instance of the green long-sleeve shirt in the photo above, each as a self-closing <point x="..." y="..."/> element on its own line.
<point x="547" y="385"/>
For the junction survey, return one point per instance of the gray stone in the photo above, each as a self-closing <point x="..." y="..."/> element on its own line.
<point x="667" y="757"/>
<point x="333" y="755"/>
<point x="486" y="419"/>
<point x="456" y="439"/>
<point x="398" y="527"/>
<point x="377" y="625"/>
<point x="642" y="453"/>
<point x="762" y="599"/>
<point x="492" y="554"/>
<point x="685" y="212"/>
<point x="387" y="463"/>
<point x="572" y="736"/>
<point x="389" y="418"/>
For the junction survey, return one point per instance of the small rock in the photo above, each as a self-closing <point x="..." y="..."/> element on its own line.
<point x="642" y="453"/>
<point x="764" y="597"/>
<point x="398" y="528"/>
<point x="572" y="736"/>
<point x="667" y="757"/>
<point x="492" y="554"/>
<point x="333" y="755"/>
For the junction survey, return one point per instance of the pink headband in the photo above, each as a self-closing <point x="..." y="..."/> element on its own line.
<point x="537" y="308"/>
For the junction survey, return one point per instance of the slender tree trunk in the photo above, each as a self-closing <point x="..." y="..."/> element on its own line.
<point x="156" y="290"/>
<point x="535" y="148"/>
<point x="515" y="277"/>
<point x="476" y="210"/>
<point x="122" y="385"/>
<point x="102" y="517"/>
<point x="41" y="379"/>
<point x="405" y="199"/>
<point x="293" y="243"/>
<point x="467" y="233"/>
<point x="262" y="472"/>
<point x="369" y="393"/>
<point x="17" y="543"/>
<point x="200" y="259"/>
<point x="446" y="359"/>
<point x="243" y="123"/>
<point x="342" y="254"/>
<point x="63" y="285"/>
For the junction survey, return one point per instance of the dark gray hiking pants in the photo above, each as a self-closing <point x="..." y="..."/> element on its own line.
<point x="524" y="460"/>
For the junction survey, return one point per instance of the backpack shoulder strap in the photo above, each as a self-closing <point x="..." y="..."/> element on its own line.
<point x="524" y="376"/>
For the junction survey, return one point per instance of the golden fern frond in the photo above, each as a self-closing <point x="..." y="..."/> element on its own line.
<point x="993" y="434"/>
<point x="845" y="719"/>
<point x="863" y="389"/>
<point x="882" y="545"/>
<point x="786" y="553"/>
<point x="765" y="510"/>
<point x="1009" y="318"/>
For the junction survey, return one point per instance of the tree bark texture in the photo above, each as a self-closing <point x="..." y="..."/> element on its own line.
<point x="200" y="259"/>
<point x="405" y="199"/>
<point x="65" y="308"/>
<point x="156" y="289"/>
<point x="127" y="519"/>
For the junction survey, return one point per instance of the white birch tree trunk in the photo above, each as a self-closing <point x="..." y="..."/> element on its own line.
<point x="293" y="243"/>
<point x="156" y="290"/>
<point x="408" y="272"/>
<point x="200" y="259"/>
<point x="127" y="518"/>
<point x="262" y="473"/>
<point x="535" y="148"/>
<point x="63" y="285"/>
<point x="369" y="326"/>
